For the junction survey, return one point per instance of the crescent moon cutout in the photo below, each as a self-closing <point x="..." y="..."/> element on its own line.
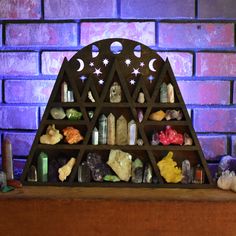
<point x="95" y="51"/>
<point x="150" y="65"/>
<point x="81" y="64"/>
<point x="137" y="51"/>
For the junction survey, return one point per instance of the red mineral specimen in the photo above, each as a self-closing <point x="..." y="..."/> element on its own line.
<point x="170" y="136"/>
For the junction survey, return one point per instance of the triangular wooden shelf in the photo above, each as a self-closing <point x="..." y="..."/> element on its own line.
<point x="135" y="73"/>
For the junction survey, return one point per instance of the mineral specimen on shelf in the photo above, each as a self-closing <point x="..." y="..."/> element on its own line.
<point x="90" y="114"/>
<point x="7" y="160"/>
<point x="42" y="167"/>
<point x="32" y="174"/>
<point x="155" y="139"/>
<point x="186" y="172"/>
<point x="115" y="93"/>
<point x="174" y="114"/>
<point x="111" y="178"/>
<point x="102" y="130"/>
<point x="53" y="166"/>
<point x="198" y="175"/>
<point x="57" y="113"/>
<point x="90" y="96"/>
<point x="141" y="97"/>
<point x="137" y="171"/>
<point x="147" y="175"/>
<point x="121" y="131"/>
<point x="170" y="93"/>
<point x="140" y="142"/>
<point x="163" y="93"/>
<point x="95" y="136"/>
<point x="73" y="114"/>
<point x="3" y="179"/>
<point x="52" y="136"/>
<point x="157" y="116"/>
<point x="170" y="136"/>
<point x="97" y="167"/>
<point x="65" y="170"/>
<point x="187" y="140"/>
<point x="140" y="115"/>
<point x="72" y="135"/>
<point x="168" y="169"/>
<point x="120" y="162"/>
<point x="132" y="132"/>
<point x="64" y="92"/>
<point x="84" y="173"/>
<point x="111" y="129"/>
<point x="70" y="96"/>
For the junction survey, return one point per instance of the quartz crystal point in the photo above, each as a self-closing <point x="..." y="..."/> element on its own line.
<point x="132" y="132"/>
<point x="115" y="93"/>
<point x="163" y="93"/>
<point x="111" y="130"/>
<point x="95" y="136"/>
<point x="140" y="115"/>
<point x="84" y="174"/>
<point x="102" y="136"/>
<point x="186" y="172"/>
<point x="65" y="170"/>
<point x="147" y="175"/>
<point x="7" y="160"/>
<point x="57" y="113"/>
<point x="137" y="171"/>
<point x="170" y="93"/>
<point x="73" y="114"/>
<point x="120" y="162"/>
<point x="121" y="131"/>
<point x="32" y="174"/>
<point x="64" y="92"/>
<point x="141" y="97"/>
<point x="42" y="167"/>
<point x="70" y="96"/>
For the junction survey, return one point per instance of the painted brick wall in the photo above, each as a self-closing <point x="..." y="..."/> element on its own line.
<point x="198" y="36"/>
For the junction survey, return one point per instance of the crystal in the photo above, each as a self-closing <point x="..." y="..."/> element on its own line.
<point x="64" y="92"/>
<point x="163" y="93"/>
<point x="115" y="93"/>
<point x="65" y="170"/>
<point x="111" y="129"/>
<point x="84" y="174"/>
<point x="120" y="162"/>
<point x="72" y="135"/>
<point x="95" y="136"/>
<point x="42" y="167"/>
<point x="52" y="136"/>
<point x="90" y="96"/>
<point x="147" y="175"/>
<point x="157" y="116"/>
<point x="155" y="139"/>
<point x="173" y="114"/>
<point x="90" y="114"/>
<point x="102" y="131"/>
<point x="70" y="96"/>
<point x="32" y="174"/>
<point x="6" y="189"/>
<point x="139" y="142"/>
<point x="54" y="165"/>
<point x="170" y="136"/>
<point x="73" y="114"/>
<point x="141" y="97"/>
<point x="14" y="183"/>
<point x="198" y="175"/>
<point x="140" y="115"/>
<point x="7" y="161"/>
<point x="170" y="93"/>
<point x="3" y="179"/>
<point x="111" y="178"/>
<point x="57" y="113"/>
<point x="137" y="171"/>
<point x="227" y="163"/>
<point x="187" y="140"/>
<point x="186" y="172"/>
<point x="132" y="132"/>
<point x="121" y="131"/>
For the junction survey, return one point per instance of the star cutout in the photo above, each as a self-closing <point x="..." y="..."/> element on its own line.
<point x="91" y="64"/>
<point x="135" y="72"/>
<point x="150" y="78"/>
<point x="83" y="78"/>
<point x="142" y="64"/>
<point x="132" y="81"/>
<point x="127" y="62"/>
<point x="97" y="71"/>
<point x="105" y="62"/>
<point x="101" y="81"/>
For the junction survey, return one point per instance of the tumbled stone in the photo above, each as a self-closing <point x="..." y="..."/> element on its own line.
<point x="120" y="162"/>
<point x="121" y="131"/>
<point x="65" y="170"/>
<point x="111" y="178"/>
<point x="115" y="93"/>
<point x="137" y="171"/>
<point x="52" y="136"/>
<point x="139" y="142"/>
<point x="170" y="93"/>
<point x="141" y="97"/>
<point x="147" y="175"/>
<point x="102" y="130"/>
<point x="111" y="129"/>
<point x="132" y="132"/>
<point x="57" y="113"/>
<point x="72" y="135"/>
<point x="73" y="114"/>
<point x="157" y="116"/>
<point x="163" y="93"/>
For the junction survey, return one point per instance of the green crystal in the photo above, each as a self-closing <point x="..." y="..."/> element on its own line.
<point x="90" y="114"/>
<point x="43" y="167"/>
<point x="73" y="114"/>
<point x="6" y="189"/>
<point x="112" y="178"/>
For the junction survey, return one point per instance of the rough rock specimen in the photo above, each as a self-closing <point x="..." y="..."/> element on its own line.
<point x="57" y="113"/>
<point x="115" y="93"/>
<point x="52" y="136"/>
<point x="72" y="135"/>
<point x="65" y="170"/>
<point x="170" y="136"/>
<point x="157" y="116"/>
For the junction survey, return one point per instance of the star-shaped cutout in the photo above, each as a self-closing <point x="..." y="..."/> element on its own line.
<point x="101" y="81"/>
<point x="83" y="78"/>
<point x="105" y="62"/>
<point x="150" y="78"/>
<point x="97" y="71"/>
<point x="132" y="81"/>
<point x="142" y="64"/>
<point x="135" y="72"/>
<point x="128" y="62"/>
<point x="91" y="64"/>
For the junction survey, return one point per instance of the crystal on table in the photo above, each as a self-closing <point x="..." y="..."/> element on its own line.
<point x="7" y="160"/>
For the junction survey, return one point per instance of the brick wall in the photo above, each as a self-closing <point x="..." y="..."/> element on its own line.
<point x="196" y="35"/>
